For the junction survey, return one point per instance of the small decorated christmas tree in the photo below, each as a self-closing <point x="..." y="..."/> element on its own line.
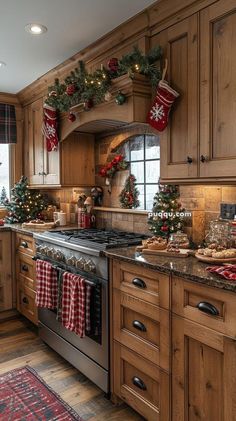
<point x="25" y="204"/>
<point x="166" y="216"/>
<point x="129" y="195"/>
<point x="3" y="196"/>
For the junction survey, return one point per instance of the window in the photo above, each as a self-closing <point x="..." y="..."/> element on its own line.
<point x="5" y="168"/>
<point x="143" y="154"/>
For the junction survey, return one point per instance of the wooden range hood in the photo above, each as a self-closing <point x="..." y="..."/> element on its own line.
<point x="109" y="116"/>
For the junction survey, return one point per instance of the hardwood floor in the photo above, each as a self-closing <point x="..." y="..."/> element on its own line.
<point x="20" y="345"/>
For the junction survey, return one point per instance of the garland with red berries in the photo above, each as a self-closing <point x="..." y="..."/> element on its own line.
<point x="91" y="88"/>
<point x="117" y="164"/>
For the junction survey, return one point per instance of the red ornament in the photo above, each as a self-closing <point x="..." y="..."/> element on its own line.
<point x="88" y="104"/>
<point x="71" y="117"/>
<point x="103" y="172"/>
<point x="164" y="228"/>
<point x="113" y="64"/>
<point x="1" y="222"/>
<point x="70" y="89"/>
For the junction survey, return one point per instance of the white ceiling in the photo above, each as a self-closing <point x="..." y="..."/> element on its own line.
<point x="72" y="25"/>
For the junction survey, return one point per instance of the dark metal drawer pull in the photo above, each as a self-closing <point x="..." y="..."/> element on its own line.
<point x="139" y="325"/>
<point x="139" y="283"/>
<point x="208" y="308"/>
<point x="139" y="383"/>
<point x="25" y="268"/>
<point x="24" y="244"/>
<point x="25" y="300"/>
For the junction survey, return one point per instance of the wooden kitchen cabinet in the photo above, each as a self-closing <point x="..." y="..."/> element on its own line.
<point x="6" y="295"/>
<point x="26" y="277"/>
<point x="140" y="339"/>
<point x="197" y="144"/>
<point x="203" y="373"/>
<point x="71" y="165"/>
<point x="203" y="353"/>
<point x="217" y="90"/>
<point x="179" y="142"/>
<point x="43" y="166"/>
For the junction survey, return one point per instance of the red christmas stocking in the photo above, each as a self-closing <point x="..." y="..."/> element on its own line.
<point x="159" y="113"/>
<point x="49" y="128"/>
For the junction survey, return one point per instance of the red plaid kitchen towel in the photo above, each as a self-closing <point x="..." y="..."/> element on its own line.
<point x="73" y="303"/>
<point x="46" y="285"/>
<point x="87" y="308"/>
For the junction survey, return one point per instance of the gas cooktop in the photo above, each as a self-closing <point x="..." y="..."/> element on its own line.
<point x="99" y="239"/>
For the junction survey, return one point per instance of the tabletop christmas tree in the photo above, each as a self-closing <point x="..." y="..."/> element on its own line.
<point x="129" y="195"/>
<point x="3" y="196"/>
<point x="24" y="204"/>
<point x="166" y="215"/>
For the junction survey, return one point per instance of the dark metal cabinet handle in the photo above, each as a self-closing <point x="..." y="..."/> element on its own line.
<point x="203" y="158"/>
<point x="139" y="383"/>
<point x="25" y="300"/>
<point x="208" y="308"/>
<point x="139" y="283"/>
<point x="34" y="258"/>
<point x="139" y="325"/>
<point x="24" y="244"/>
<point x="25" y="268"/>
<point x="189" y="160"/>
<point x="40" y="173"/>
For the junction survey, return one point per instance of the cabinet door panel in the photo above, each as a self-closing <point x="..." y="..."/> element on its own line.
<point x="218" y="90"/>
<point x="180" y="139"/>
<point x="36" y="143"/>
<point x="203" y="373"/>
<point x="5" y="272"/>
<point x="52" y="167"/>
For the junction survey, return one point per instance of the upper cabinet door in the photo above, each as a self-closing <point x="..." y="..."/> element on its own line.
<point x="35" y="143"/>
<point x="51" y="167"/>
<point x="179" y="142"/>
<point x="218" y="90"/>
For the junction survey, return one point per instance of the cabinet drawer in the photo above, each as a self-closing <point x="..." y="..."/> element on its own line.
<point x="26" y="303"/>
<point x="25" y="244"/>
<point x="191" y="300"/>
<point x="149" y="285"/>
<point x="25" y="267"/>
<point x="142" y="326"/>
<point x="141" y="384"/>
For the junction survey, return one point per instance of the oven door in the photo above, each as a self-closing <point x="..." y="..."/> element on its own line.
<point x="88" y="346"/>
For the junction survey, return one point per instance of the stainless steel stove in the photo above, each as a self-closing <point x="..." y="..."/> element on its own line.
<point x="82" y="252"/>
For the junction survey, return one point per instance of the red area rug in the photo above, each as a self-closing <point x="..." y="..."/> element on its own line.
<point x="24" y="396"/>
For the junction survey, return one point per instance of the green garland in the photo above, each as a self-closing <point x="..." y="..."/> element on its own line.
<point x="81" y="86"/>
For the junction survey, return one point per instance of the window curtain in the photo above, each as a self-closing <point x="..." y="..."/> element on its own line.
<point x="7" y="123"/>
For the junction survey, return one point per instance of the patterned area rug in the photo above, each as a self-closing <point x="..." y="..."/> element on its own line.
<point x="24" y="396"/>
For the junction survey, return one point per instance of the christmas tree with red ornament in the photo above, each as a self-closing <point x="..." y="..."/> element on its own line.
<point x="129" y="195"/>
<point x="166" y="217"/>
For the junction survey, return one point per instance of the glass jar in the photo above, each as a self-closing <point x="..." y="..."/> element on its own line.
<point x="219" y="233"/>
<point x="179" y="239"/>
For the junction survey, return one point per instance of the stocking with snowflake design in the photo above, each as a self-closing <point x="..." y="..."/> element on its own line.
<point x="159" y="112"/>
<point x="49" y="127"/>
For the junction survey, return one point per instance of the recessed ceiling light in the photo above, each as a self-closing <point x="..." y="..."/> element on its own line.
<point x="2" y="64"/>
<point x="35" y="28"/>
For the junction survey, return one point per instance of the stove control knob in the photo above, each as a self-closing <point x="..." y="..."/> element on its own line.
<point x="38" y="248"/>
<point x="89" y="266"/>
<point x="59" y="256"/>
<point x="71" y="260"/>
<point x="80" y="263"/>
<point x="50" y="251"/>
<point x="44" y="250"/>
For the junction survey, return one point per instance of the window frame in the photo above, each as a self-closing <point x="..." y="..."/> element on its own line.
<point x="144" y="160"/>
<point x="11" y="157"/>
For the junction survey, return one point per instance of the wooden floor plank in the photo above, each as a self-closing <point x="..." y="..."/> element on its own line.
<point x="20" y="346"/>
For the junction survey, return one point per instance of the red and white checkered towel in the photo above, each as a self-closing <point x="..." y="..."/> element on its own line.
<point x="87" y="308"/>
<point x="73" y="303"/>
<point x="46" y="285"/>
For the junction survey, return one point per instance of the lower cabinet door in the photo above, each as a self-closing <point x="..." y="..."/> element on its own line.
<point x="203" y="373"/>
<point x="26" y="303"/>
<point x="141" y="384"/>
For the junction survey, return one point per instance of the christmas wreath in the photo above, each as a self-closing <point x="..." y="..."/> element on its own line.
<point x="117" y="164"/>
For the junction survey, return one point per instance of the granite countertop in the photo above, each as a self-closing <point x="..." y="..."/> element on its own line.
<point x="186" y="267"/>
<point x="29" y="231"/>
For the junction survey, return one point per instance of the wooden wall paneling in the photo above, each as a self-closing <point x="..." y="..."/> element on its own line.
<point x="218" y="86"/>
<point x="5" y="271"/>
<point x="36" y="143"/>
<point x="77" y="160"/>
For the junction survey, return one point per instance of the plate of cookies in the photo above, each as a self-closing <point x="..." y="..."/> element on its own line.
<point x="216" y="254"/>
<point x="159" y="246"/>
